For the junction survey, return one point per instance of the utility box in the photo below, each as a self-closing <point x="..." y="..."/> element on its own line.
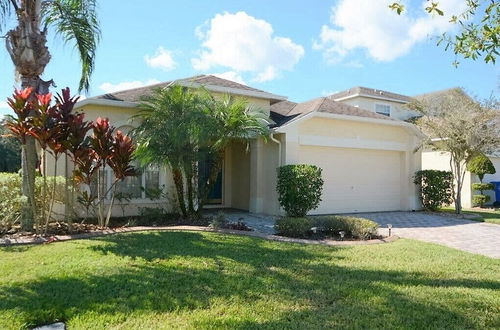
<point x="497" y="190"/>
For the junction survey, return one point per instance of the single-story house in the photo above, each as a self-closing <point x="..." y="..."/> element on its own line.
<point x="366" y="152"/>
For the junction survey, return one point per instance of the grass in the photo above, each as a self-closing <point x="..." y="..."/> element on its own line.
<point x="485" y="215"/>
<point x="164" y="280"/>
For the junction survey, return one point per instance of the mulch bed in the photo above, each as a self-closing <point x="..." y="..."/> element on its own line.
<point x="20" y="239"/>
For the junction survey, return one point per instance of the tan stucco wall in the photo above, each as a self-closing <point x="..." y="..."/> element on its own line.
<point x="237" y="174"/>
<point x="398" y="110"/>
<point x="324" y="135"/>
<point x="264" y="161"/>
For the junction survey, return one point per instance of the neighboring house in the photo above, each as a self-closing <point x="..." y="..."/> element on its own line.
<point x="382" y="102"/>
<point x="368" y="159"/>
<point x="439" y="160"/>
<point x="394" y="105"/>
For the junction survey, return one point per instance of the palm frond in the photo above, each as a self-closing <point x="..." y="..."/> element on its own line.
<point x="76" y="21"/>
<point x="6" y="8"/>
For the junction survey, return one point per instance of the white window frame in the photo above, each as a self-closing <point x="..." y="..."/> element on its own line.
<point x="388" y="114"/>
<point x="143" y="198"/>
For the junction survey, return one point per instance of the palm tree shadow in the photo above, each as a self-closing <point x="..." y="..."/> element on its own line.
<point x="166" y="272"/>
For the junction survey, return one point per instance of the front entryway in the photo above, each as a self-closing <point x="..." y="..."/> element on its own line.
<point x="215" y="196"/>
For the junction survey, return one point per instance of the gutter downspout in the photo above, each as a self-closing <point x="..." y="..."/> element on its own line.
<point x="279" y="148"/>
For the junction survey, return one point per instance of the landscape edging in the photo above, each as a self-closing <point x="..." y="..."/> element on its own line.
<point x="62" y="238"/>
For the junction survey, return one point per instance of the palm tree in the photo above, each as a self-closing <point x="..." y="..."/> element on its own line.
<point x="181" y="127"/>
<point x="171" y="126"/>
<point x="26" y="42"/>
<point x="229" y="119"/>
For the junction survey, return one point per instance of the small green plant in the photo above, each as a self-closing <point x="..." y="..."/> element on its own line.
<point x="294" y="227"/>
<point x="480" y="200"/>
<point x="219" y="221"/>
<point x="123" y="200"/>
<point x="481" y="165"/>
<point x="299" y="188"/>
<point x="436" y="188"/>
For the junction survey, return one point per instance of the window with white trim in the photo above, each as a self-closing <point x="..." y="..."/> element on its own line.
<point x="383" y="109"/>
<point x="145" y="185"/>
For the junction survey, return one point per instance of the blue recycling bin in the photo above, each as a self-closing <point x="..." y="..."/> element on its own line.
<point x="497" y="190"/>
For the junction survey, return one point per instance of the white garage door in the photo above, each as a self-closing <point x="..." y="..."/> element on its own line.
<point x="356" y="180"/>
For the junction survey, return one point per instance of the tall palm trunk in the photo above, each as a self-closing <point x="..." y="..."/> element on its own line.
<point x="179" y="186"/>
<point x="26" y="45"/>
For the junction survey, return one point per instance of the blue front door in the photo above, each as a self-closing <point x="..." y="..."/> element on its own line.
<point x="215" y="194"/>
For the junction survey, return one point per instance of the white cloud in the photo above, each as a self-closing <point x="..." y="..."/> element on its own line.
<point x="372" y="26"/>
<point x="4" y="105"/>
<point x="162" y="59"/>
<point x="108" y="87"/>
<point x="245" y="44"/>
<point x="231" y="75"/>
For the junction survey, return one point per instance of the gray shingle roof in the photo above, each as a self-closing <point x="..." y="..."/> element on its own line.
<point x="134" y="95"/>
<point x="286" y="111"/>
<point x="370" y="92"/>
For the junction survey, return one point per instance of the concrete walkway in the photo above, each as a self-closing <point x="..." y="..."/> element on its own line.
<point x="471" y="236"/>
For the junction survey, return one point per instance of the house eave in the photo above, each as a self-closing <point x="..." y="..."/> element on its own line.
<point x="370" y="96"/>
<point x="409" y="126"/>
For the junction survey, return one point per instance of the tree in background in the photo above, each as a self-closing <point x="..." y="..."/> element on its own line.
<point x="474" y="39"/>
<point x="10" y="149"/>
<point x="461" y="126"/>
<point x="26" y="42"/>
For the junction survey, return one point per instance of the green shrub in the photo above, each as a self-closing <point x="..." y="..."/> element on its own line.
<point x="294" y="227"/>
<point x="480" y="200"/>
<point x="483" y="186"/>
<point x="11" y="199"/>
<point x="481" y="165"/>
<point x="328" y="225"/>
<point x="219" y="221"/>
<point x="299" y="188"/>
<point x="436" y="188"/>
<point x="352" y="226"/>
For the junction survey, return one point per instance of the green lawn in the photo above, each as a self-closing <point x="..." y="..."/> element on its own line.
<point x="486" y="215"/>
<point x="207" y="280"/>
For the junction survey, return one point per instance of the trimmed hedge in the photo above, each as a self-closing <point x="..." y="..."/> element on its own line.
<point x="294" y="227"/>
<point x="436" y="188"/>
<point x="327" y="225"/>
<point x="483" y="186"/>
<point x="299" y="188"/>
<point x="356" y="227"/>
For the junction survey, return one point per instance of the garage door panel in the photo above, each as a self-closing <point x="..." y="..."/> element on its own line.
<point x="356" y="180"/>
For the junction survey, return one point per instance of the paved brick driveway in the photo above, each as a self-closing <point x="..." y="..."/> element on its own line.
<point x="471" y="236"/>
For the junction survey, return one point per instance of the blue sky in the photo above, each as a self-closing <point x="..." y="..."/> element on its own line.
<point x="300" y="49"/>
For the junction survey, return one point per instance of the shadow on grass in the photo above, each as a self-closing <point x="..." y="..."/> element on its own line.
<point x="172" y="272"/>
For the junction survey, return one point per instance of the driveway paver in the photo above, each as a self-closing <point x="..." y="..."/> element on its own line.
<point x="471" y="236"/>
